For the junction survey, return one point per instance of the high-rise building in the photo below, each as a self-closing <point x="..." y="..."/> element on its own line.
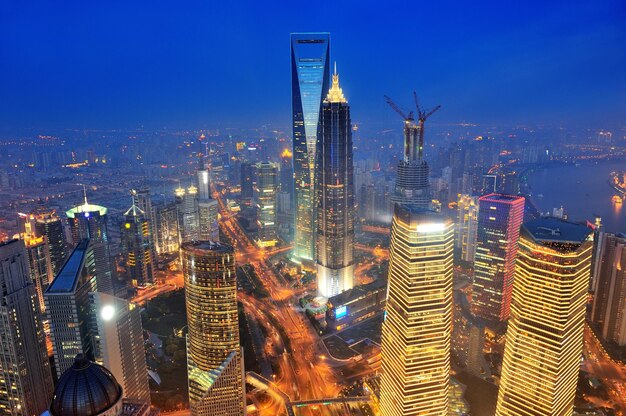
<point x="40" y="267"/>
<point x="49" y="225"/>
<point x="214" y="361"/>
<point x="68" y="307"/>
<point x="187" y="205"/>
<point x="609" y="286"/>
<point x="167" y="234"/>
<point x="499" y="220"/>
<point x="89" y="221"/>
<point x="143" y="200"/>
<point x="334" y="195"/>
<point x="119" y="344"/>
<point x="265" y="198"/>
<point x="467" y="227"/>
<point x="25" y="376"/>
<point x="544" y="339"/>
<point x="286" y="173"/>
<point x="417" y="328"/>
<point x="247" y="184"/>
<point x="207" y="209"/>
<point x="310" y="76"/>
<point x="412" y="174"/>
<point x="137" y="246"/>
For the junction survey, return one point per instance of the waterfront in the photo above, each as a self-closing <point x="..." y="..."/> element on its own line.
<point x="582" y="190"/>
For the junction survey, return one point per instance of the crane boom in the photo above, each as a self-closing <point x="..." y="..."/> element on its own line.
<point x="405" y="117"/>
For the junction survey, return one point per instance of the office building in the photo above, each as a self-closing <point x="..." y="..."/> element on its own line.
<point x="416" y="333"/>
<point x="167" y="233"/>
<point x="137" y="247"/>
<point x="499" y="220"/>
<point x="89" y="221"/>
<point x="188" y="220"/>
<point x="214" y="361"/>
<point x="467" y="227"/>
<point x="609" y="287"/>
<point x="334" y="195"/>
<point x="265" y="197"/>
<point x="207" y="209"/>
<point x="68" y="307"/>
<point x="49" y="225"/>
<point x="286" y="174"/>
<point x="544" y="339"/>
<point x="310" y="80"/>
<point x="25" y="376"/>
<point x="119" y="344"/>
<point x="143" y="200"/>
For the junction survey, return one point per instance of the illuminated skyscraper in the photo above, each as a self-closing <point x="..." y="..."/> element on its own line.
<point x="25" y="377"/>
<point x="265" y="193"/>
<point x="609" y="287"/>
<point x="467" y="227"/>
<point x="89" y="221"/>
<point x="310" y="74"/>
<point x="137" y="246"/>
<point x="417" y="328"/>
<point x="214" y="361"/>
<point x="143" y="200"/>
<point x="68" y="307"/>
<point x="167" y="235"/>
<point x="544" y="339"/>
<point x="499" y="220"/>
<point x="334" y="195"/>
<point x="207" y="209"/>
<point x="49" y="225"/>
<point x="119" y="343"/>
<point x="187" y="204"/>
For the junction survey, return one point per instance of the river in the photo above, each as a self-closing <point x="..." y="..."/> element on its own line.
<point x="582" y="190"/>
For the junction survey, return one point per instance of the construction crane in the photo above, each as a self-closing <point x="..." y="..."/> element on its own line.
<point x="422" y="115"/>
<point x="408" y="118"/>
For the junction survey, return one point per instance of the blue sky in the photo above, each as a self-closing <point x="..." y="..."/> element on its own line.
<point x="119" y="64"/>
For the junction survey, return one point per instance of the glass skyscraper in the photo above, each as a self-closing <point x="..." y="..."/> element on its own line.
<point x="334" y="195"/>
<point x="310" y="74"/>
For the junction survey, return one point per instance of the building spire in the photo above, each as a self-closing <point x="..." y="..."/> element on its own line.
<point x="335" y="95"/>
<point x="85" y="194"/>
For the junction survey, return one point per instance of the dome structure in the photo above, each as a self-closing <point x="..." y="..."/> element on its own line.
<point x="85" y="389"/>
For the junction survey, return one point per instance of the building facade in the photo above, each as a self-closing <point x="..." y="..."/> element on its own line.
<point x="167" y="233"/>
<point x="310" y="79"/>
<point x="334" y="195"/>
<point x="68" y="307"/>
<point x="119" y="344"/>
<point x="265" y="198"/>
<point x="188" y="220"/>
<point x="89" y="221"/>
<point x="544" y="339"/>
<point x="609" y="287"/>
<point x="416" y="333"/>
<point x="467" y="227"/>
<point x="499" y="219"/>
<point x="137" y="247"/>
<point x="207" y="209"/>
<point x="49" y="225"/>
<point x="25" y="377"/>
<point x="214" y="361"/>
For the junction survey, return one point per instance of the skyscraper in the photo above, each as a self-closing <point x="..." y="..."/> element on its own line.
<point x="167" y="235"/>
<point x="40" y="267"/>
<point x="49" y="225"/>
<point x="207" y="209"/>
<point x="143" y="200"/>
<point x="25" y="376"/>
<point x="609" y="286"/>
<point x="137" y="246"/>
<point x="499" y="220"/>
<point x="119" y="344"/>
<point x="417" y="329"/>
<point x="89" y="221"/>
<point x="334" y="195"/>
<point x="467" y="227"/>
<point x="68" y="307"/>
<point x="265" y="198"/>
<point x="214" y="361"/>
<point x="187" y="205"/>
<point x="310" y="74"/>
<point x="544" y="339"/>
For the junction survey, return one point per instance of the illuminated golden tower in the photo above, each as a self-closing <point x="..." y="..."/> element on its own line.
<point x="214" y="360"/>
<point x="417" y="328"/>
<point x="544" y="339"/>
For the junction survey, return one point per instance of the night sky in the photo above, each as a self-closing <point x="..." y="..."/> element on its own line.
<point x="179" y="64"/>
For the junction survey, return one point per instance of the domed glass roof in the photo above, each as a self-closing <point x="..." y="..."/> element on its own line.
<point x="85" y="389"/>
